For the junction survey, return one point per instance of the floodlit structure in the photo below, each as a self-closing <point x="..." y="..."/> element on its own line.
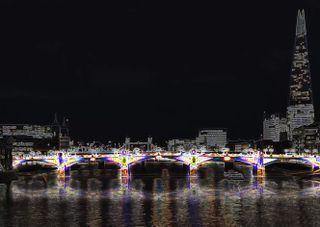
<point x="62" y="162"/>
<point x="27" y="137"/>
<point x="274" y="128"/>
<point x="193" y="159"/>
<point x="216" y="137"/>
<point x="307" y="138"/>
<point x="175" y="144"/>
<point x="300" y="110"/>
<point x="147" y="145"/>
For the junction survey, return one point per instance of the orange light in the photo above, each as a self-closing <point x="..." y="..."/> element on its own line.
<point x="124" y="173"/>
<point x="61" y="173"/>
<point x="226" y="159"/>
<point x="193" y="172"/>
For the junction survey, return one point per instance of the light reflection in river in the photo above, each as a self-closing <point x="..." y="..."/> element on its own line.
<point x="98" y="197"/>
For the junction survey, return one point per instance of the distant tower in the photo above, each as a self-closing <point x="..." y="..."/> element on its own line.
<point x="64" y="127"/>
<point x="56" y="132"/>
<point x="300" y="110"/>
<point x="64" y="138"/>
<point x="55" y="120"/>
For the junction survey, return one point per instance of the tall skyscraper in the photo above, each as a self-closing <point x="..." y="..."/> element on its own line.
<point x="300" y="110"/>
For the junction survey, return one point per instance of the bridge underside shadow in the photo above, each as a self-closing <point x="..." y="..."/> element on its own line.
<point x="289" y="166"/>
<point x="34" y="164"/>
<point x="156" y="167"/>
<point x="285" y="164"/>
<point x="174" y="166"/>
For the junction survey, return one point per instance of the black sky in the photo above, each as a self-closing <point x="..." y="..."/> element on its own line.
<point x="155" y="68"/>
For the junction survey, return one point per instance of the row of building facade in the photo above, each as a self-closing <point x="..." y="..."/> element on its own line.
<point x="215" y="138"/>
<point x="28" y="137"/>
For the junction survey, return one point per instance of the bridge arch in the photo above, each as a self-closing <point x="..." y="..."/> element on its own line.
<point x="18" y="163"/>
<point x="51" y="161"/>
<point x="148" y="158"/>
<point x="303" y="162"/>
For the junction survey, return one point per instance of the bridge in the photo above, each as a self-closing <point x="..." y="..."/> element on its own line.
<point x="125" y="159"/>
<point x="260" y="161"/>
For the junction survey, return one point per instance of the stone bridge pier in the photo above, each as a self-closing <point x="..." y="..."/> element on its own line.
<point x="62" y="170"/>
<point x="259" y="167"/>
<point x="193" y="160"/>
<point x="124" y="160"/>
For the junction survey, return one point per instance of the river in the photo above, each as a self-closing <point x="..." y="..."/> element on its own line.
<point x="161" y="194"/>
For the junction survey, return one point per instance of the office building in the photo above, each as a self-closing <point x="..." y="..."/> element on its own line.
<point x="275" y="128"/>
<point x="306" y="138"/>
<point x="300" y="110"/>
<point x="212" y="138"/>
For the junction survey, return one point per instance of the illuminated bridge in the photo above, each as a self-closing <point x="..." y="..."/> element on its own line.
<point x="62" y="161"/>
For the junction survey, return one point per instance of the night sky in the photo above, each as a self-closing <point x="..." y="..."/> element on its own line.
<point x="161" y="68"/>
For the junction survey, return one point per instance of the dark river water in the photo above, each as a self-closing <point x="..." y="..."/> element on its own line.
<point x="161" y="194"/>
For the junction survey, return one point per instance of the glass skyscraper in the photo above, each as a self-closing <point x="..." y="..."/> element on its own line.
<point x="300" y="110"/>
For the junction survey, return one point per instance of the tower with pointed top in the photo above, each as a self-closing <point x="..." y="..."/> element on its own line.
<point x="56" y="132"/>
<point x="60" y="138"/>
<point x="300" y="110"/>
<point x="55" y="120"/>
<point x="64" y="139"/>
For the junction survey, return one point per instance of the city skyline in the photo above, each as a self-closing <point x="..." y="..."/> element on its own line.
<point x="298" y="124"/>
<point x="155" y="113"/>
<point x="106" y="97"/>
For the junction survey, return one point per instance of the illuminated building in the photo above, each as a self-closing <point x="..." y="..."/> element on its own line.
<point x="306" y="138"/>
<point x="187" y="144"/>
<point x="275" y="128"/>
<point x="27" y="137"/>
<point x="300" y="110"/>
<point x="239" y="145"/>
<point x="147" y="145"/>
<point x="212" y="137"/>
<point x="216" y="137"/>
<point x="63" y="132"/>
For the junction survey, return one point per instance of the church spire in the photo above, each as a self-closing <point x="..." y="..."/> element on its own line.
<point x="64" y="124"/>
<point x="55" y="120"/>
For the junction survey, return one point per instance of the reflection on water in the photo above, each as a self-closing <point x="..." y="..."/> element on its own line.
<point x="161" y="195"/>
